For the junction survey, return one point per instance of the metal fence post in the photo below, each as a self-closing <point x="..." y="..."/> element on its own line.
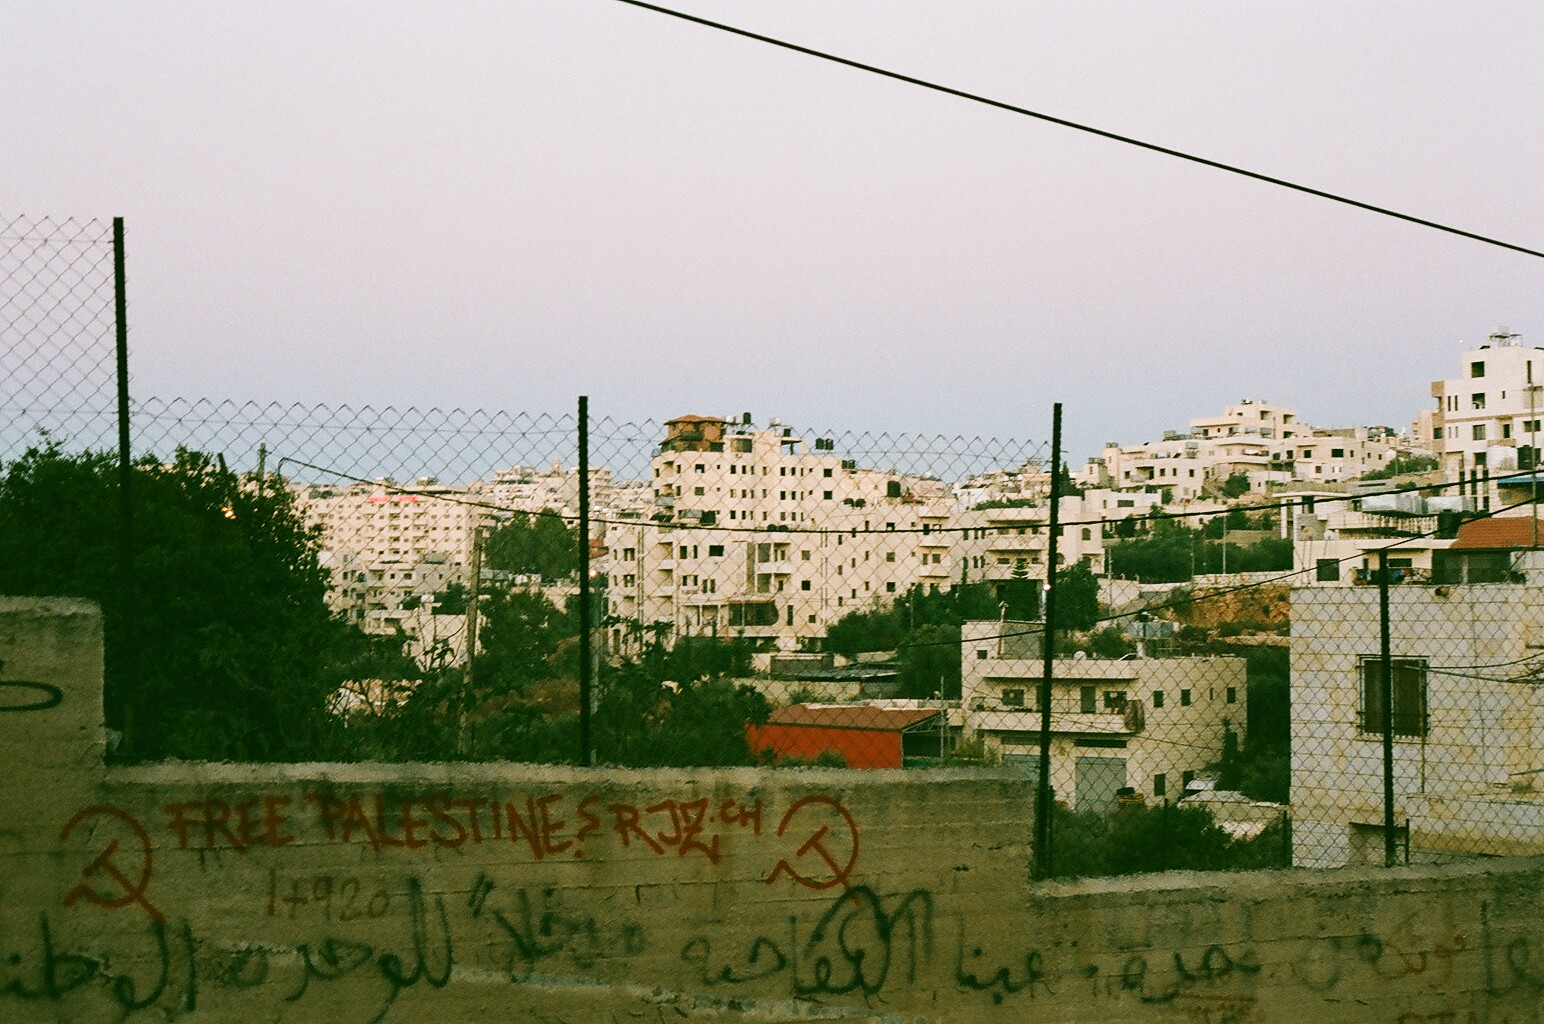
<point x="127" y="662"/>
<point x="1043" y="810"/>
<point x="586" y="668"/>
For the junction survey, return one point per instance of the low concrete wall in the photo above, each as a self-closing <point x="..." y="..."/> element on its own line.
<point x="415" y="893"/>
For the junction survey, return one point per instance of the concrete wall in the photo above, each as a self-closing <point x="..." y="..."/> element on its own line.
<point x="289" y="893"/>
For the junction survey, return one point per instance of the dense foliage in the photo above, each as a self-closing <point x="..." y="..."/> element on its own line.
<point x="221" y="646"/>
<point x="1171" y="552"/>
<point x="1138" y="838"/>
<point x="534" y="544"/>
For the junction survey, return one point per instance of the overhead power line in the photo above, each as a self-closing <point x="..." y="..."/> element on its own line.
<point x="1078" y="126"/>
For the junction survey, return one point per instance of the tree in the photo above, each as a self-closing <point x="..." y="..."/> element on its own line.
<point x="1165" y="555"/>
<point x="534" y="544"/>
<point x="226" y="649"/>
<point x="1236" y="485"/>
<point x="1077" y="597"/>
<point x="930" y="662"/>
<point x="522" y="636"/>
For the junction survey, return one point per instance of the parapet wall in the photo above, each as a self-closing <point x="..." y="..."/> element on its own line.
<point x="362" y="893"/>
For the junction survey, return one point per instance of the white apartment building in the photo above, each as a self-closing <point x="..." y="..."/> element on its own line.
<point x="996" y="544"/>
<point x="385" y="544"/>
<point x="1467" y="714"/>
<point x="1249" y="417"/>
<point x="1484" y="416"/>
<point x="1151" y="724"/>
<point x="758" y="534"/>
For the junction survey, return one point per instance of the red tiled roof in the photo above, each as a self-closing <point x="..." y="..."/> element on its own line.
<point x="1498" y="533"/>
<point x="696" y="419"/>
<point x="852" y="716"/>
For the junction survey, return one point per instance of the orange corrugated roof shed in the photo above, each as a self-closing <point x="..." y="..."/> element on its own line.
<point x="1499" y="533"/>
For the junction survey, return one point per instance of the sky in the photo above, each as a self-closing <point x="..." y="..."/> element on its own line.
<point x="506" y="205"/>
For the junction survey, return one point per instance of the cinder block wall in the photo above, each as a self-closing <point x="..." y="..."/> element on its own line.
<point x="417" y="893"/>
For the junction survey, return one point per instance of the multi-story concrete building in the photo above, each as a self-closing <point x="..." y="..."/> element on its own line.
<point x="1467" y="710"/>
<point x="1150" y="724"/>
<point x="1487" y="417"/>
<point x="759" y="534"/>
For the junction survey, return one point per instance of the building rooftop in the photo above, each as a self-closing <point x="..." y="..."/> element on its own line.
<point x="852" y="716"/>
<point x="1498" y="533"/>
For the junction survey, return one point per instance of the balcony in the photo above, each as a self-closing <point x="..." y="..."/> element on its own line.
<point x="1397" y="576"/>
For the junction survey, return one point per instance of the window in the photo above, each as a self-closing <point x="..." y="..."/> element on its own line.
<point x="1477" y="401"/>
<point x="1087" y="698"/>
<point x="804" y="584"/>
<point x="629" y="555"/>
<point x="1506" y="429"/>
<point x="1232" y="695"/>
<point x="1013" y="698"/>
<point x="1337" y="453"/>
<point x="715" y="550"/>
<point x="890" y="587"/>
<point x="699" y="491"/>
<point x="1184" y="698"/>
<point x="1160" y="784"/>
<point x="1477" y="369"/>
<point x="980" y="654"/>
<point x="1115" y="700"/>
<point x="1186" y="778"/>
<point x="1157" y="698"/>
<point x="1479" y="432"/>
<point x="827" y="473"/>
<point x="1328" y="570"/>
<point x="826" y="495"/>
<point x="1409" y="691"/>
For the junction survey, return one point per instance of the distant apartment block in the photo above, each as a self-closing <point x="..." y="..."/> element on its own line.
<point x="385" y="544"/>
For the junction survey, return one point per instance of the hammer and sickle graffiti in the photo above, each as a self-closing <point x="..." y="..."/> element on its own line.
<point x="128" y="887"/>
<point x="826" y="820"/>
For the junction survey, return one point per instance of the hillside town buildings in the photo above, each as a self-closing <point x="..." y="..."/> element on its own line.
<point x="1264" y="442"/>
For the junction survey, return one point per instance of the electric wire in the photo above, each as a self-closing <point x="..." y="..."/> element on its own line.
<point x="1081" y="127"/>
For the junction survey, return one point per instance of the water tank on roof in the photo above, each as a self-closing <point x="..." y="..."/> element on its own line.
<point x="1500" y="458"/>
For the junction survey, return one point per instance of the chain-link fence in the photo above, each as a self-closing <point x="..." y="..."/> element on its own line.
<point x="343" y="583"/>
